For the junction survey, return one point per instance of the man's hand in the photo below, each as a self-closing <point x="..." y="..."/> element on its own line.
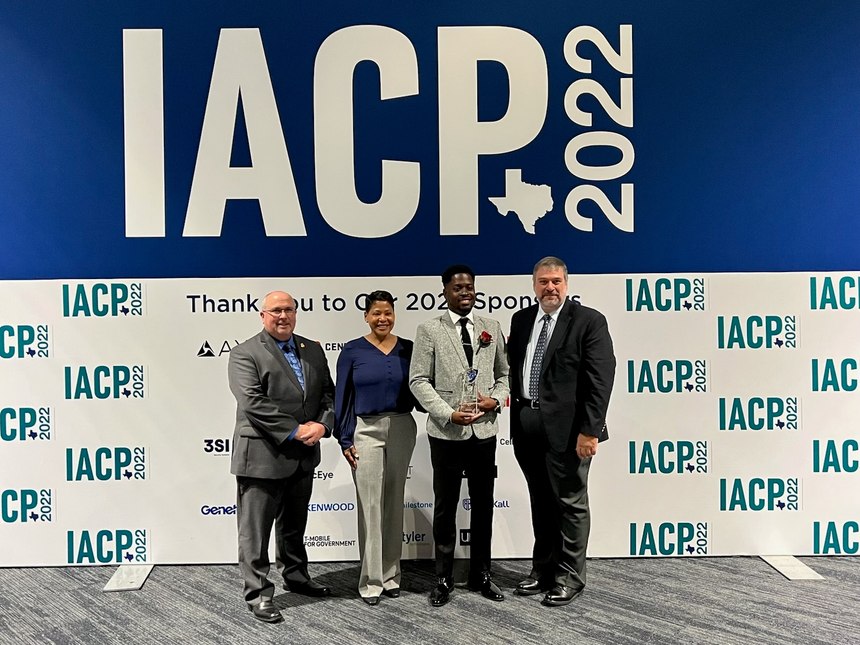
<point x="486" y="403"/>
<point x="351" y="455"/>
<point x="464" y="418"/>
<point x="586" y="446"/>
<point x="310" y="433"/>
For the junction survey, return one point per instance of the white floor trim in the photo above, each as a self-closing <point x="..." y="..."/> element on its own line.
<point x="791" y="567"/>
<point x="128" y="577"/>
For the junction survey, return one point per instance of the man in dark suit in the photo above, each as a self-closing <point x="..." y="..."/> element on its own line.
<point x="562" y="371"/>
<point x="284" y="406"/>
<point x="461" y="440"/>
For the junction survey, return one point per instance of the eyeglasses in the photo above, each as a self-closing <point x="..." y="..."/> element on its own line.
<point x="277" y="313"/>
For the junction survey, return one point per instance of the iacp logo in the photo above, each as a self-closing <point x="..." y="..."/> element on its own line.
<point x="27" y="505"/>
<point x="757" y="332"/>
<point x="669" y="538"/>
<point x="104" y="382"/>
<point x="759" y="413"/>
<point x="102" y="299"/>
<point x="667" y="375"/>
<point x="105" y="464"/>
<point x="665" y="294"/>
<point x="25" y="341"/>
<point x="23" y="423"/>
<point x="107" y="546"/>
<point x="668" y="457"/>
<point x="830" y="293"/>
<point x="760" y="494"/>
<point x="836" y="538"/>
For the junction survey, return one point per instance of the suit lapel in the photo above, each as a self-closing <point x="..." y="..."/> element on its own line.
<point x="272" y="346"/>
<point x="565" y="318"/>
<point x="454" y="336"/>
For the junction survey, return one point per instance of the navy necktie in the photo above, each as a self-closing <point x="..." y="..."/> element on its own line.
<point x="295" y="363"/>
<point x="537" y="359"/>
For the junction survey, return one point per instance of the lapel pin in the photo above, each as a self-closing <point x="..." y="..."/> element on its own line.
<point x="302" y="345"/>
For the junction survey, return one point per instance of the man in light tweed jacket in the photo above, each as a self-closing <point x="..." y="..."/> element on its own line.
<point x="446" y="349"/>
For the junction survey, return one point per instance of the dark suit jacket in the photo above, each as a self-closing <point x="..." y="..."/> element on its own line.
<point x="270" y="404"/>
<point x="576" y="377"/>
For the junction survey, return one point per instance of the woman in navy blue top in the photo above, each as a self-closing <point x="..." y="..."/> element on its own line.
<point x="376" y="431"/>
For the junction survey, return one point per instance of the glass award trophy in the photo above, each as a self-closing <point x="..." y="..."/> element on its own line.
<point x="469" y="392"/>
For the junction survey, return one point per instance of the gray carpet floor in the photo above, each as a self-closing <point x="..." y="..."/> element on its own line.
<point x="706" y="600"/>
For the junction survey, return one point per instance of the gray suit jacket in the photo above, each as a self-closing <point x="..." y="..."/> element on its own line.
<point x="270" y="404"/>
<point x="437" y="368"/>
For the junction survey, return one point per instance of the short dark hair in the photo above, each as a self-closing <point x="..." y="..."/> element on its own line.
<point x="453" y="270"/>
<point x="377" y="296"/>
<point x="550" y="262"/>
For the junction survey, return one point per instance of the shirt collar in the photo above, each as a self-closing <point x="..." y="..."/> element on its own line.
<point x="455" y="317"/>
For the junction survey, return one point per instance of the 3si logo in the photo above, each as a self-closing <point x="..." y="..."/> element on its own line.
<point x="669" y="538"/>
<point x="667" y="376"/>
<point x="760" y="413"/>
<point x="668" y="457"/>
<point x="20" y="341"/>
<point x="828" y="294"/>
<point x="665" y="294"/>
<point x="828" y="377"/>
<point x="102" y="299"/>
<point x="104" y="382"/>
<point x="835" y="457"/>
<point x="757" y="332"/>
<point x="104" y="464"/>
<point x="107" y="546"/>
<point x="20" y="424"/>
<point x="27" y="505"/>
<point x="834" y="538"/>
<point x="216" y="446"/>
<point x="760" y="494"/>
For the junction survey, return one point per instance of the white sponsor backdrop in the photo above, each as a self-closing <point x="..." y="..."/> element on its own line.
<point x="98" y="467"/>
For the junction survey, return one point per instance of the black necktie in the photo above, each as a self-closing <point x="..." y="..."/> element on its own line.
<point x="467" y="342"/>
<point x="537" y="360"/>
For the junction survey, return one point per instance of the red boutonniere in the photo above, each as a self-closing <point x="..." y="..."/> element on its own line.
<point x="484" y="339"/>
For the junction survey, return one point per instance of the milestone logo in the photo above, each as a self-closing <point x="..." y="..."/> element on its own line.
<point x="216" y="446"/>
<point x="27" y="505"/>
<point x="832" y="456"/>
<point x="759" y="494"/>
<point x="216" y="349"/>
<point x="217" y="510"/>
<point x="102" y="299"/>
<point x="25" y="341"/>
<point x="760" y="413"/>
<point x="829" y="293"/>
<point x="499" y="503"/>
<point x="414" y="505"/>
<point x="669" y="538"/>
<point x="836" y="538"/>
<point x="828" y="376"/>
<point x="668" y="457"/>
<point x="666" y="376"/>
<point x="665" y="294"/>
<point x="757" y="332"/>
<point x="104" y="382"/>
<point x="106" y="464"/>
<point x="107" y="546"/>
<point x="22" y="424"/>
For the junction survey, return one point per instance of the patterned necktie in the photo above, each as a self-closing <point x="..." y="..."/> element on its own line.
<point x="537" y="360"/>
<point x="295" y="363"/>
<point x="467" y="342"/>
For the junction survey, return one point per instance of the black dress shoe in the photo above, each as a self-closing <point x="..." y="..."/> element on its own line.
<point x="371" y="600"/>
<point x="531" y="587"/>
<point x="309" y="588"/>
<point x="441" y="593"/>
<point x="560" y="595"/>
<point x="392" y="593"/>
<point x="487" y="587"/>
<point x="266" y="611"/>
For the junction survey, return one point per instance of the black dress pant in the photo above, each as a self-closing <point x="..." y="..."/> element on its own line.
<point x="451" y="459"/>
<point x="558" y="492"/>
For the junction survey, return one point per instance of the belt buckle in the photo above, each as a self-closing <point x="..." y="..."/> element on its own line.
<point x="534" y="404"/>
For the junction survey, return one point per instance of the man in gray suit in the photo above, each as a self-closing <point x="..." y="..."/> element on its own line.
<point x="446" y="350"/>
<point x="284" y="406"/>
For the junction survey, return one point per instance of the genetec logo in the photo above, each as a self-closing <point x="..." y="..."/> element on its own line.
<point x="102" y="299"/>
<point x="23" y="423"/>
<point x="241" y="69"/>
<point x="25" y="341"/>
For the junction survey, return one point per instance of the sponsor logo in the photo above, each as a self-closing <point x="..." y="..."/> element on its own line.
<point x="27" y="505"/>
<point x="216" y="348"/>
<point x="465" y="537"/>
<point x="105" y="464"/>
<point x="414" y="537"/>
<point x="25" y="341"/>
<point x="669" y="538"/>
<point x="831" y="293"/>
<point x="760" y="494"/>
<point x="757" y="332"/>
<point x="104" y="382"/>
<point x="495" y="472"/>
<point x="322" y="475"/>
<point x="326" y="541"/>
<point x="760" y="413"/>
<point x="330" y="507"/>
<point x="21" y="424"/>
<point x="828" y="376"/>
<point x="499" y="503"/>
<point x="414" y="505"/>
<point x="836" y="538"/>
<point x="665" y="294"/>
<point x="668" y="457"/>
<point x="201" y="303"/>
<point x="107" y="546"/>
<point x="217" y="510"/>
<point x="832" y="456"/>
<point x="220" y="446"/>
<point x="102" y="299"/>
<point x="666" y="376"/>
